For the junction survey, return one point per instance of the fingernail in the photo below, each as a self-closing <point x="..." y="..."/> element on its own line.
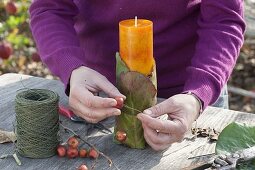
<point x="123" y="96"/>
<point x="113" y="103"/>
<point x="139" y="116"/>
<point x="118" y="112"/>
<point x="147" y="112"/>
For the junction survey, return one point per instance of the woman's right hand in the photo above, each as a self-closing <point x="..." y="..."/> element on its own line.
<point x="84" y="84"/>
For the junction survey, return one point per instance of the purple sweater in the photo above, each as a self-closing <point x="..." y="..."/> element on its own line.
<point x="196" y="42"/>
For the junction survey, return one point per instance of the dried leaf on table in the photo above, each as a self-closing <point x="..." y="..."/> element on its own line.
<point x="209" y="133"/>
<point x="6" y="137"/>
<point x="213" y="135"/>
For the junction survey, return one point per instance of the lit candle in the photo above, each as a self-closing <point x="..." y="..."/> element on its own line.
<point x="136" y="44"/>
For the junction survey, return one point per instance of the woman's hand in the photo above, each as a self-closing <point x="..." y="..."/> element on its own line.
<point x="182" y="110"/>
<point x="84" y="83"/>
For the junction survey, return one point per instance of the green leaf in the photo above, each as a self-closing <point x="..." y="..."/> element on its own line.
<point x="133" y="128"/>
<point x="121" y="67"/>
<point x="236" y="137"/>
<point x="140" y="91"/>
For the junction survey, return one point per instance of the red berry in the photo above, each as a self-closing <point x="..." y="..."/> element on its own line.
<point x="36" y="57"/>
<point x="72" y="153"/>
<point x="83" y="153"/>
<point x="121" y="136"/>
<point x="5" y="50"/>
<point x="73" y="142"/>
<point x="61" y="150"/>
<point x="93" y="153"/>
<point x="83" y="167"/>
<point x="11" y="8"/>
<point x="120" y="102"/>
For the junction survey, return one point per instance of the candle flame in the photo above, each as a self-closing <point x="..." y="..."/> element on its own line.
<point x="135" y="21"/>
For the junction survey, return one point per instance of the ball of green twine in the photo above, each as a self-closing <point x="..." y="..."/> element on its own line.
<point x="37" y="123"/>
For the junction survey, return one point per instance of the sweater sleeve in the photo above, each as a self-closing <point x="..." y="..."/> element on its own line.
<point x="220" y="37"/>
<point x="52" y="26"/>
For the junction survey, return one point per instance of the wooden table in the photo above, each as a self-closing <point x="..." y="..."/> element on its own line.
<point x="176" y="157"/>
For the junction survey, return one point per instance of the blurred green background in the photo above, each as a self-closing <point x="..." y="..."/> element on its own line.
<point x="15" y="34"/>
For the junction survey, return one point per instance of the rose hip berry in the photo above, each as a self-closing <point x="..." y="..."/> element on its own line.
<point x="11" y="8"/>
<point x="73" y="142"/>
<point x="83" y="167"/>
<point x="61" y="150"/>
<point x="120" y="102"/>
<point x="5" y="50"/>
<point x="72" y="153"/>
<point x="83" y="153"/>
<point x="36" y="57"/>
<point x="93" y="153"/>
<point x="121" y="136"/>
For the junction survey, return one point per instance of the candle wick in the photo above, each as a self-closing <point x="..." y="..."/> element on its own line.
<point x="135" y="21"/>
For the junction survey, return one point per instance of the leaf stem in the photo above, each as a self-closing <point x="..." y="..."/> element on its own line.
<point x="15" y="156"/>
<point x="5" y="156"/>
<point x="132" y="108"/>
<point x="94" y="164"/>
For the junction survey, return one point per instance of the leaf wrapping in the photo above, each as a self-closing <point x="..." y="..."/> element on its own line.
<point x="140" y="92"/>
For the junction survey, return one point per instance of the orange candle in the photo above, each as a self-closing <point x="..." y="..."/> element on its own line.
<point x="136" y="45"/>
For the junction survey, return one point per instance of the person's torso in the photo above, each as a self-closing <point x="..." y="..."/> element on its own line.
<point x="174" y="25"/>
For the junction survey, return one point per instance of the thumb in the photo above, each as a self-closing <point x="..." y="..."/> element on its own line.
<point x="159" y="109"/>
<point x="105" y="85"/>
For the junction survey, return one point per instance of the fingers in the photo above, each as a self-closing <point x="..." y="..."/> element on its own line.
<point x="158" y="141"/>
<point x="94" y="81"/>
<point x="92" y="108"/>
<point x="94" y="115"/>
<point x="154" y="146"/>
<point x="106" y="86"/>
<point x="160" y="109"/>
<point x="160" y="134"/>
<point x="181" y="111"/>
<point x="165" y="126"/>
<point x="85" y="81"/>
<point x="89" y="100"/>
<point x="83" y="95"/>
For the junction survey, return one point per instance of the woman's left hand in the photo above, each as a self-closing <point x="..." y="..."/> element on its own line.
<point x="182" y="110"/>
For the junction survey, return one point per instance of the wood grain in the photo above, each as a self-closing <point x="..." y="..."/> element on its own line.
<point x="176" y="157"/>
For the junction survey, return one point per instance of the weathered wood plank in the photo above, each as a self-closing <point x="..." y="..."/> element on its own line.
<point x="176" y="157"/>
